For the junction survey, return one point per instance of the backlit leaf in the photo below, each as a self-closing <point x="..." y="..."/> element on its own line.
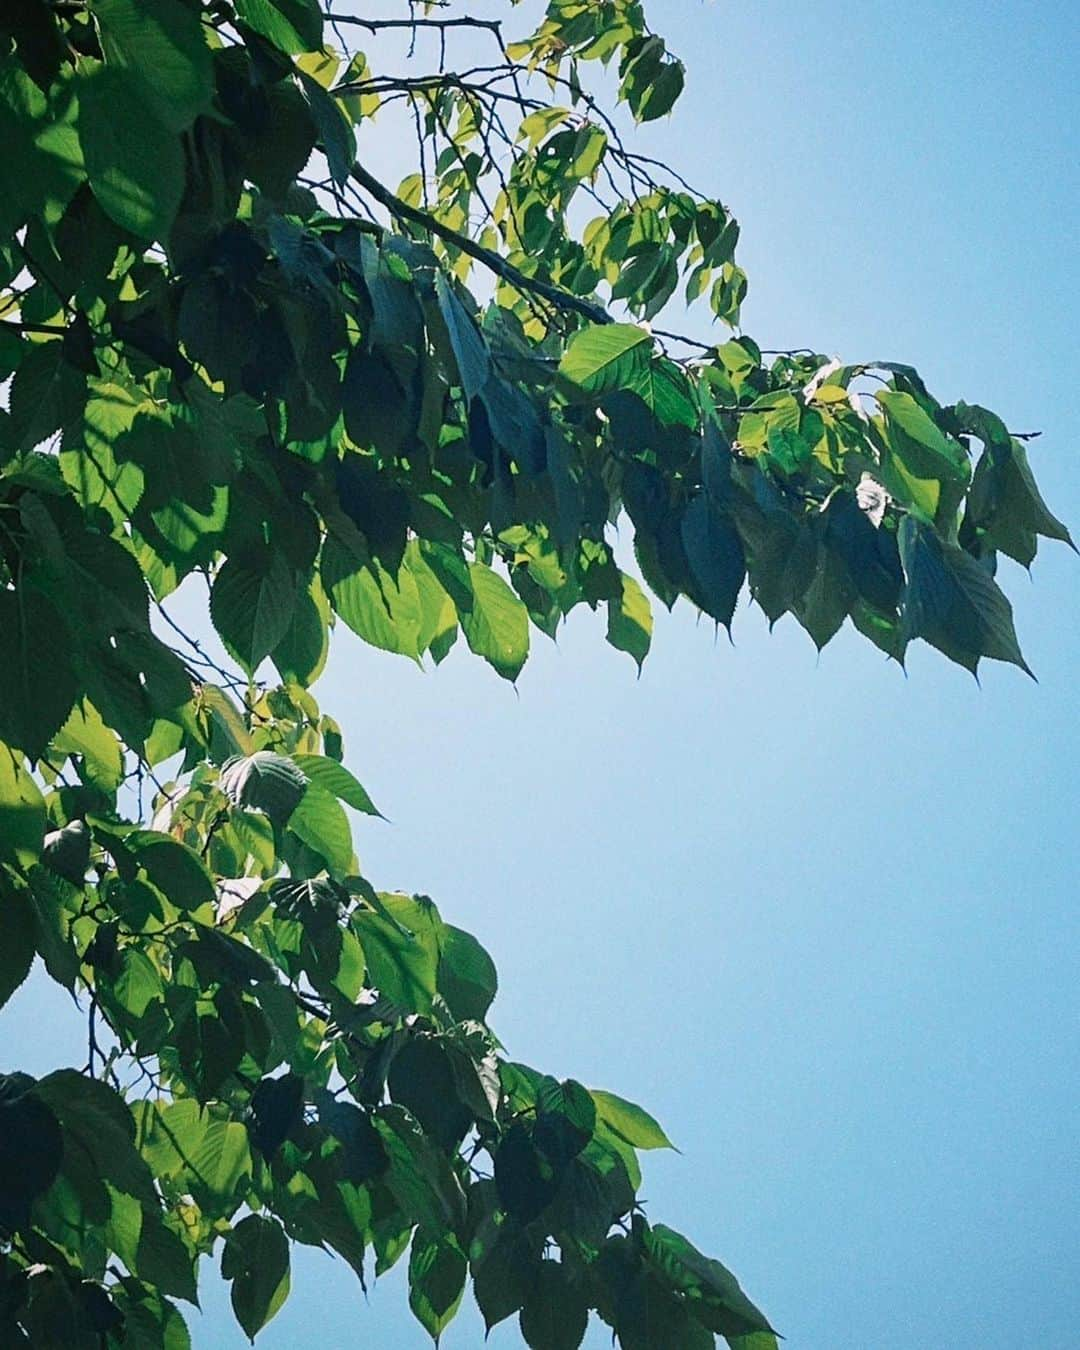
<point x="496" y="626"/>
<point x="606" y="356"/>
<point x="135" y="163"/>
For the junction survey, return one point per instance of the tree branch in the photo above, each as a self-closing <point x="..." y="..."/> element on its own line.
<point x="376" y="25"/>
<point x="512" y="275"/>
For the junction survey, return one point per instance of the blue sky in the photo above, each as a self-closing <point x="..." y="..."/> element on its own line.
<point x="818" y="916"/>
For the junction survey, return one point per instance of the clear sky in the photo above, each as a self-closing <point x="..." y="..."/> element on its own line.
<point x="817" y="916"/>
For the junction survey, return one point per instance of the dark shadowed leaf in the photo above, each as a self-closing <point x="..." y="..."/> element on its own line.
<point x="952" y="602"/>
<point x="555" y="1314"/>
<point x="256" y="1260"/>
<point x="38" y="684"/>
<point x="18" y="947"/>
<point x="176" y="870"/>
<point x="714" y="552"/>
<point x="266" y="781"/>
<point x="437" y="1269"/>
<point x="67" y="851"/>
<point x="467" y="978"/>
<point x="252" y="605"/>
<point x="31" y="1148"/>
<point x="277" y="1105"/>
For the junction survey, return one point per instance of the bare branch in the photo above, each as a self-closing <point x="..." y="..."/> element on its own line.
<point x="512" y="275"/>
<point x="377" y="25"/>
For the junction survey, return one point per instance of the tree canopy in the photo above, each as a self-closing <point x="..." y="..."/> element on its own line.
<point x="237" y="358"/>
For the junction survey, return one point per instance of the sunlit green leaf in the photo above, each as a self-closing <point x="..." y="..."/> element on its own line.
<point x="496" y="625"/>
<point x="606" y="356"/>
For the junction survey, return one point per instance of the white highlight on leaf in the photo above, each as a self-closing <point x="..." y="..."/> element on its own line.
<point x="856" y="405"/>
<point x="820" y="376"/>
<point x="233" y="892"/>
<point x="872" y="499"/>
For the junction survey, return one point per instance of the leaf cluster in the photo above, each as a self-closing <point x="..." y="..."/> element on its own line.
<point x="235" y="359"/>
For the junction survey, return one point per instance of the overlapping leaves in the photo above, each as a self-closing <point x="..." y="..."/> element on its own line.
<point x="223" y="376"/>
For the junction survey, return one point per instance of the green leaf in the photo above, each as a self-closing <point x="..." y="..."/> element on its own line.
<point x="467" y="978"/>
<point x="496" y="627"/>
<point x="67" y="851"/>
<point x="98" y="1128"/>
<point x="629" y="1122"/>
<point x="160" y="46"/>
<point x="437" y="1269"/>
<point x="269" y="782"/>
<point x="719" y="1302"/>
<point x="1005" y="507"/>
<point x="555" y="1315"/>
<point x="918" y="441"/>
<point x="291" y="25"/>
<point x="952" y="602"/>
<point x="176" y="870"/>
<point x="470" y="351"/>
<point x="666" y="391"/>
<point x="277" y="1105"/>
<point x="256" y="1260"/>
<point x="252" y="603"/>
<point x="84" y="733"/>
<point x="630" y="622"/>
<point x="335" y="778"/>
<point x="420" y="1175"/>
<point x="402" y="949"/>
<point x="714" y="552"/>
<point x="336" y="134"/>
<point x="53" y="929"/>
<point x="226" y="718"/>
<point x="38" y="684"/>
<point x="321" y="823"/>
<point x="31" y="1148"/>
<point x="380" y="608"/>
<point x="604" y="357"/>
<point x="43" y="161"/>
<point x="163" y="1259"/>
<point x="138" y="983"/>
<point x="22" y="810"/>
<point x="182" y="1139"/>
<point x="134" y="163"/>
<point x="17" y="950"/>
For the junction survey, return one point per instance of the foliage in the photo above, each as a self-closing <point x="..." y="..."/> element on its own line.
<point x="238" y="359"/>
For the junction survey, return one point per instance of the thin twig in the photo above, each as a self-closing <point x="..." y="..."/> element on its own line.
<point x="377" y="25"/>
